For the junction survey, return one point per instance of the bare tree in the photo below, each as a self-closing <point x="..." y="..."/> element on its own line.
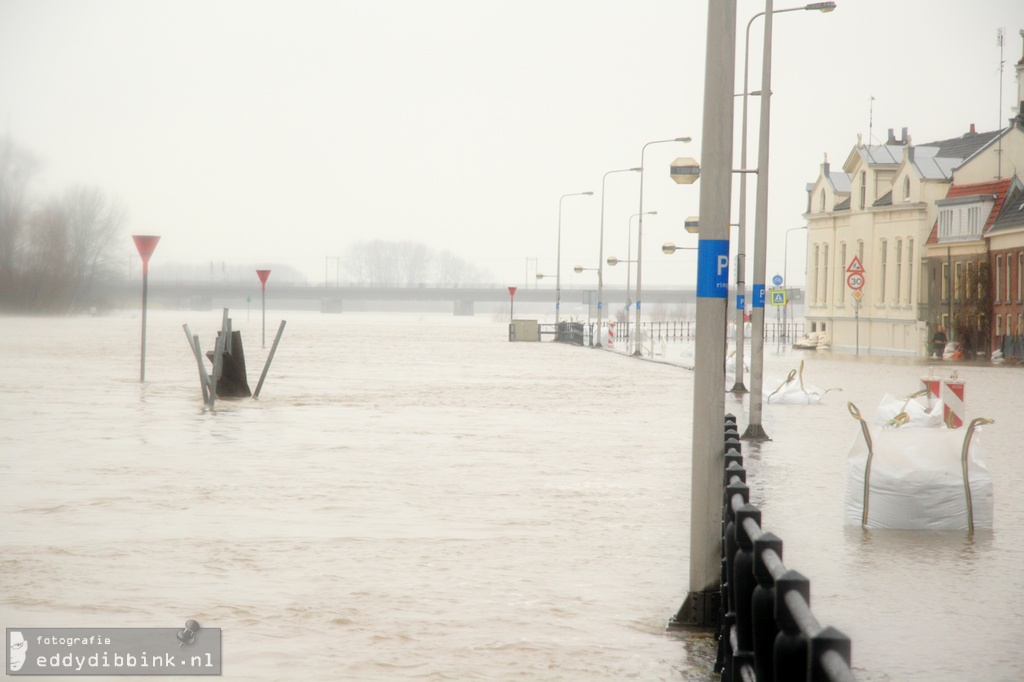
<point x="406" y="263"/>
<point x="17" y="169"/>
<point x="93" y="225"/>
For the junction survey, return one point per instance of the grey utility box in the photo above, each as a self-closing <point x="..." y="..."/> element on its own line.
<point x="524" y="330"/>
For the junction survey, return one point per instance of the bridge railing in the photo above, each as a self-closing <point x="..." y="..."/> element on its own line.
<point x="767" y="629"/>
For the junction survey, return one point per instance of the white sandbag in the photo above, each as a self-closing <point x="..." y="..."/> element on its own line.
<point x="916" y="480"/>
<point x="891" y="409"/>
<point x="795" y="391"/>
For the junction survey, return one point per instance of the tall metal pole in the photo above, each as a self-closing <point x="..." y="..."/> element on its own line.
<point x="741" y="240"/>
<point x="600" y="254"/>
<point x="558" y="266"/>
<point x="629" y="274"/>
<point x="755" y="431"/>
<point x="785" y="279"/>
<point x="700" y="609"/>
<point x="640" y="238"/>
<point x="145" y="296"/>
<point x="146" y="245"/>
<point x="263" y="275"/>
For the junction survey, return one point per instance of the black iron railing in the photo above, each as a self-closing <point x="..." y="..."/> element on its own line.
<point x="767" y="629"/>
<point x="564" y="332"/>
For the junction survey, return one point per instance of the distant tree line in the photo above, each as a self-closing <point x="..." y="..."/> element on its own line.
<point x="406" y="263"/>
<point x="56" y="253"/>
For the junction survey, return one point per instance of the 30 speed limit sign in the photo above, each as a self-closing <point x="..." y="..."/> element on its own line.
<point x="855" y="281"/>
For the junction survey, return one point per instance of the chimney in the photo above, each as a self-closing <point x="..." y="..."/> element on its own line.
<point x="892" y="137"/>
<point x="825" y="166"/>
<point x="904" y="136"/>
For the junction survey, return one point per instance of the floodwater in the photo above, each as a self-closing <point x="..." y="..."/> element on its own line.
<point x="414" y="498"/>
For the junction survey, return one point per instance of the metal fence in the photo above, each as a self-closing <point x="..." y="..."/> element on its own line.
<point x="576" y="333"/>
<point x="767" y="629"/>
<point x="686" y="330"/>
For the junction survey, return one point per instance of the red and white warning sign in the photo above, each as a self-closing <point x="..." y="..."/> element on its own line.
<point x="855" y="266"/>
<point x="953" y="403"/>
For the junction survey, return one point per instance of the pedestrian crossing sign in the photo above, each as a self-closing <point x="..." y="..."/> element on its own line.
<point x="779" y="297"/>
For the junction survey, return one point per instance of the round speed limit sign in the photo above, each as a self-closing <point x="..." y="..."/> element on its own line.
<point x="855" y="280"/>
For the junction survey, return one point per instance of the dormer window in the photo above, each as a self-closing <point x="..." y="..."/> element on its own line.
<point x="863" y="189"/>
<point x="963" y="218"/>
<point x="906" y="188"/>
<point x="822" y="201"/>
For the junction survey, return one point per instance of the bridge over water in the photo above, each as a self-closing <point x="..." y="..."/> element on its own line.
<point x="465" y="300"/>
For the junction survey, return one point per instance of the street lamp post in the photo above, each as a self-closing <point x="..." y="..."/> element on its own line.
<point x="785" y="279"/>
<point x="558" y="266"/>
<point x="640" y="238"/>
<point x="629" y="267"/>
<point x="613" y="261"/>
<point x="702" y="602"/>
<point x="600" y="254"/>
<point x="754" y="429"/>
<point x="741" y="264"/>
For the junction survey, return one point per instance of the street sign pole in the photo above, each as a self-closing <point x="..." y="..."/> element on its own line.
<point x="146" y="245"/>
<point x="263" y="274"/>
<point x="856" y="322"/>
<point x="855" y="279"/>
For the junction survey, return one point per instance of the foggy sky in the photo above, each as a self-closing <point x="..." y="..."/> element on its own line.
<point x="261" y="132"/>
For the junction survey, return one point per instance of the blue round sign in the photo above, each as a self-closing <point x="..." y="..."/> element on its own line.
<point x="777" y="280"/>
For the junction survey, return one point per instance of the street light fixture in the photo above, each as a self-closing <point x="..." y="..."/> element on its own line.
<point x="558" y="266"/>
<point x="600" y="254"/>
<point x="668" y="248"/>
<point x="741" y="263"/>
<point x="754" y="429"/>
<point x="640" y="236"/>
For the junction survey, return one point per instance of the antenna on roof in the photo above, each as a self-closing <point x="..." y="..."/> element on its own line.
<point x="999" y="149"/>
<point x="871" y="117"/>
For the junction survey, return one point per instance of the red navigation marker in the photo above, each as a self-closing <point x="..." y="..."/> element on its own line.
<point x="146" y="244"/>
<point x="511" y="307"/>
<point x="263" y="275"/>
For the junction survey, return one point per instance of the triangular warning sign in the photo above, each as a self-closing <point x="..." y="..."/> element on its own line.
<point x="855" y="266"/>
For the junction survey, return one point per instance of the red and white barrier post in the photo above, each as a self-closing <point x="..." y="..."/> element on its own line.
<point x="611" y="334"/>
<point x="953" y="411"/>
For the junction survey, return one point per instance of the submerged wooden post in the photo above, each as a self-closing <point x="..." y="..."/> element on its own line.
<point x="266" y="367"/>
<point x="204" y="379"/>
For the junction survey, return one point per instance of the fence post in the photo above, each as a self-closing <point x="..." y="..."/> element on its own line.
<point x="828" y="639"/>
<point x="743" y="578"/>
<point x="762" y="607"/>
<point x="790" y="653"/>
